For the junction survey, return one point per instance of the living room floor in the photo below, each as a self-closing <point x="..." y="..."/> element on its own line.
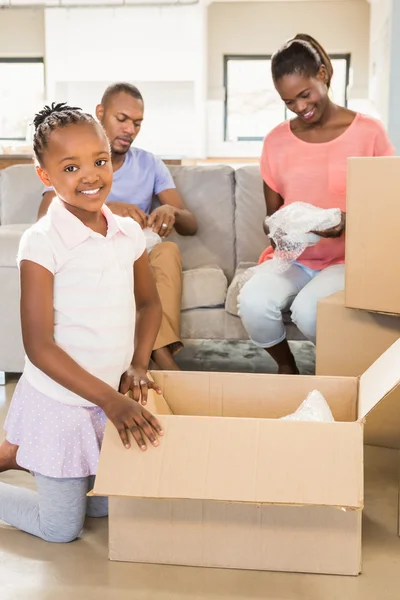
<point x="31" y="568"/>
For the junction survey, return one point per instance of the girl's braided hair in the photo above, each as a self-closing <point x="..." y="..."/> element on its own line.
<point x="51" y="118"/>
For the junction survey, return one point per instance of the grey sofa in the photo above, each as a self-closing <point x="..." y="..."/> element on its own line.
<point x="230" y="208"/>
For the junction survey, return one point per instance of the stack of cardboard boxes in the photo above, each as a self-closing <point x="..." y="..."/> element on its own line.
<point x="356" y="326"/>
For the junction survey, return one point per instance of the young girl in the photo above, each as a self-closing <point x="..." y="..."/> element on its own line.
<point x="305" y="160"/>
<point x="85" y="283"/>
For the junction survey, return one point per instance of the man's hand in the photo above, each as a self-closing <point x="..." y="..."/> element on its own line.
<point x="135" y="379"/>
<point x="162" y="220"/>
<point x="123" y="209"/>
<point x="334" y="232"/>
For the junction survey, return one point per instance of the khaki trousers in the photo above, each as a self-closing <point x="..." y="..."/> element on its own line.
<point x="166" y="263"/>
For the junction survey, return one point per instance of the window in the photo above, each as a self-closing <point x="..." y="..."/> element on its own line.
<point x="21" y="95"/>
<point x="252" y="106"/>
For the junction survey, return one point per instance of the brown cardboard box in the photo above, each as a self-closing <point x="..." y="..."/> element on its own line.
<point x="372" y="234"/>
<point x="232" y="486"/>
<point x="348" y="342"/>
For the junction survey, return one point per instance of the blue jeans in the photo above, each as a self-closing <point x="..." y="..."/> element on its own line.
<point x="267" y="294"/>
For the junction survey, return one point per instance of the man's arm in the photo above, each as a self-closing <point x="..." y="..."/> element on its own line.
<point x="45" y="203"/>
<point x="185" y="221"/>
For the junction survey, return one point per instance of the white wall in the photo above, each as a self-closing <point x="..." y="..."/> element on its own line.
<point x="260" y="28"/>
<point x="380" y="42"/>
<point x="160" y="49"/>
<point x="21" y="32"/>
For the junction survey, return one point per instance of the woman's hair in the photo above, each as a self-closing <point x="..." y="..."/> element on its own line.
<point x="302" y="55"/>
<point x="51" y="118"/>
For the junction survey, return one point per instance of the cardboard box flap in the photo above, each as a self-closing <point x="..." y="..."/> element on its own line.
<point x="239" y="460"/>
<point x="379" y="380"/>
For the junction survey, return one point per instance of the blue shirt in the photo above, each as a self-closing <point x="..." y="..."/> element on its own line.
<point x="142" y="176"/>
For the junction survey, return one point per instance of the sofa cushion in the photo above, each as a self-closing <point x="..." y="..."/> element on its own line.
<point x="21" y="194"/>
<point x="209" y="193"/>
<point x="249" y="215"/>
<point x="10" y="236"/>
<point x="204" y="288"/>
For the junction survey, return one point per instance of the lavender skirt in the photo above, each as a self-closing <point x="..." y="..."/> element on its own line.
<point x="54" y="439"/>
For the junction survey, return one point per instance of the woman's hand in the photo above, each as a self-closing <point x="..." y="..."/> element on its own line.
<point x="126" y="414"/>
<point x="135" y="380"/>
<point x="334" y="232"/>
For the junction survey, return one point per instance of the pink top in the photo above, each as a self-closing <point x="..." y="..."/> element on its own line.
<point x="300" y="171"/>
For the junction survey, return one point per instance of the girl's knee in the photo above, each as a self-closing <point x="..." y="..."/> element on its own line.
<point x="63" y="534"/>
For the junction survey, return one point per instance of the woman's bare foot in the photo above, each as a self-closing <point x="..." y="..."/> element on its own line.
<point x="8" y="457"/>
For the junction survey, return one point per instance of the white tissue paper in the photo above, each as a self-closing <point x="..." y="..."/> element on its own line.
<point x="290" y="228"/>
<point x="152" y="239"/>
<point x="314" y="408"/>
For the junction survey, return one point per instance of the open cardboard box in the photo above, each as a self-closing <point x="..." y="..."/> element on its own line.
<point x="233" y="486"/>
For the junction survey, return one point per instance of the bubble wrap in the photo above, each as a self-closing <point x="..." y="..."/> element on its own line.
<point x="152" y="239"/>
<point x="290" y="228"/>
<point x="314" y="408"/>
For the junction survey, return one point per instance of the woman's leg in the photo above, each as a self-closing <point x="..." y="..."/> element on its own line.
<point x="55" y="513"/>
<point x="261" y="302"/>
<point x="304" y="308"/>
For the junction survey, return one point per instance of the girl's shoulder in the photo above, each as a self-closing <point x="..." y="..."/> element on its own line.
<point x="36" y="245"/>
<point x="39" y="232"/>
<point x="129" y="226"/>
<point x="134" y="232"/>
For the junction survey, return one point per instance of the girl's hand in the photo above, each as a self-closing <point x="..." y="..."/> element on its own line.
<point x="334" y="232"/>
<point x="126" y="414"/>
<point x="135" y="379"/>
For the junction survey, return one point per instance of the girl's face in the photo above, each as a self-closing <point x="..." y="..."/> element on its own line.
<point x="306" y="97"/>
<point x="77" y="164"/>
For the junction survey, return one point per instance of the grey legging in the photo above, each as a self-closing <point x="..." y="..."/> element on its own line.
<point x="56" y="512"/>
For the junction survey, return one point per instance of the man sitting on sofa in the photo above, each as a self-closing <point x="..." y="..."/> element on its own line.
<point x="138" y="176"/>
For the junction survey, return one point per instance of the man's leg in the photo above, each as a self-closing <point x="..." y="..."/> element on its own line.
<point x="165" y="260"/>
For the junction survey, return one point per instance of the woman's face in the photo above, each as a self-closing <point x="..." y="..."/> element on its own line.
<point x="306" y="97"/>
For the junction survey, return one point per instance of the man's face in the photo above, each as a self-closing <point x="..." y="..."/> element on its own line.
<point x="121" y="118"/>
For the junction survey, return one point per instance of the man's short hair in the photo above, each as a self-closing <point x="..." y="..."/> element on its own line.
<point x="117" y="88"/>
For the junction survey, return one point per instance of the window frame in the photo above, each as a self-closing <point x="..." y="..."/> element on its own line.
<point x="19" y="60"/>
<point x="227" y="57"/>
